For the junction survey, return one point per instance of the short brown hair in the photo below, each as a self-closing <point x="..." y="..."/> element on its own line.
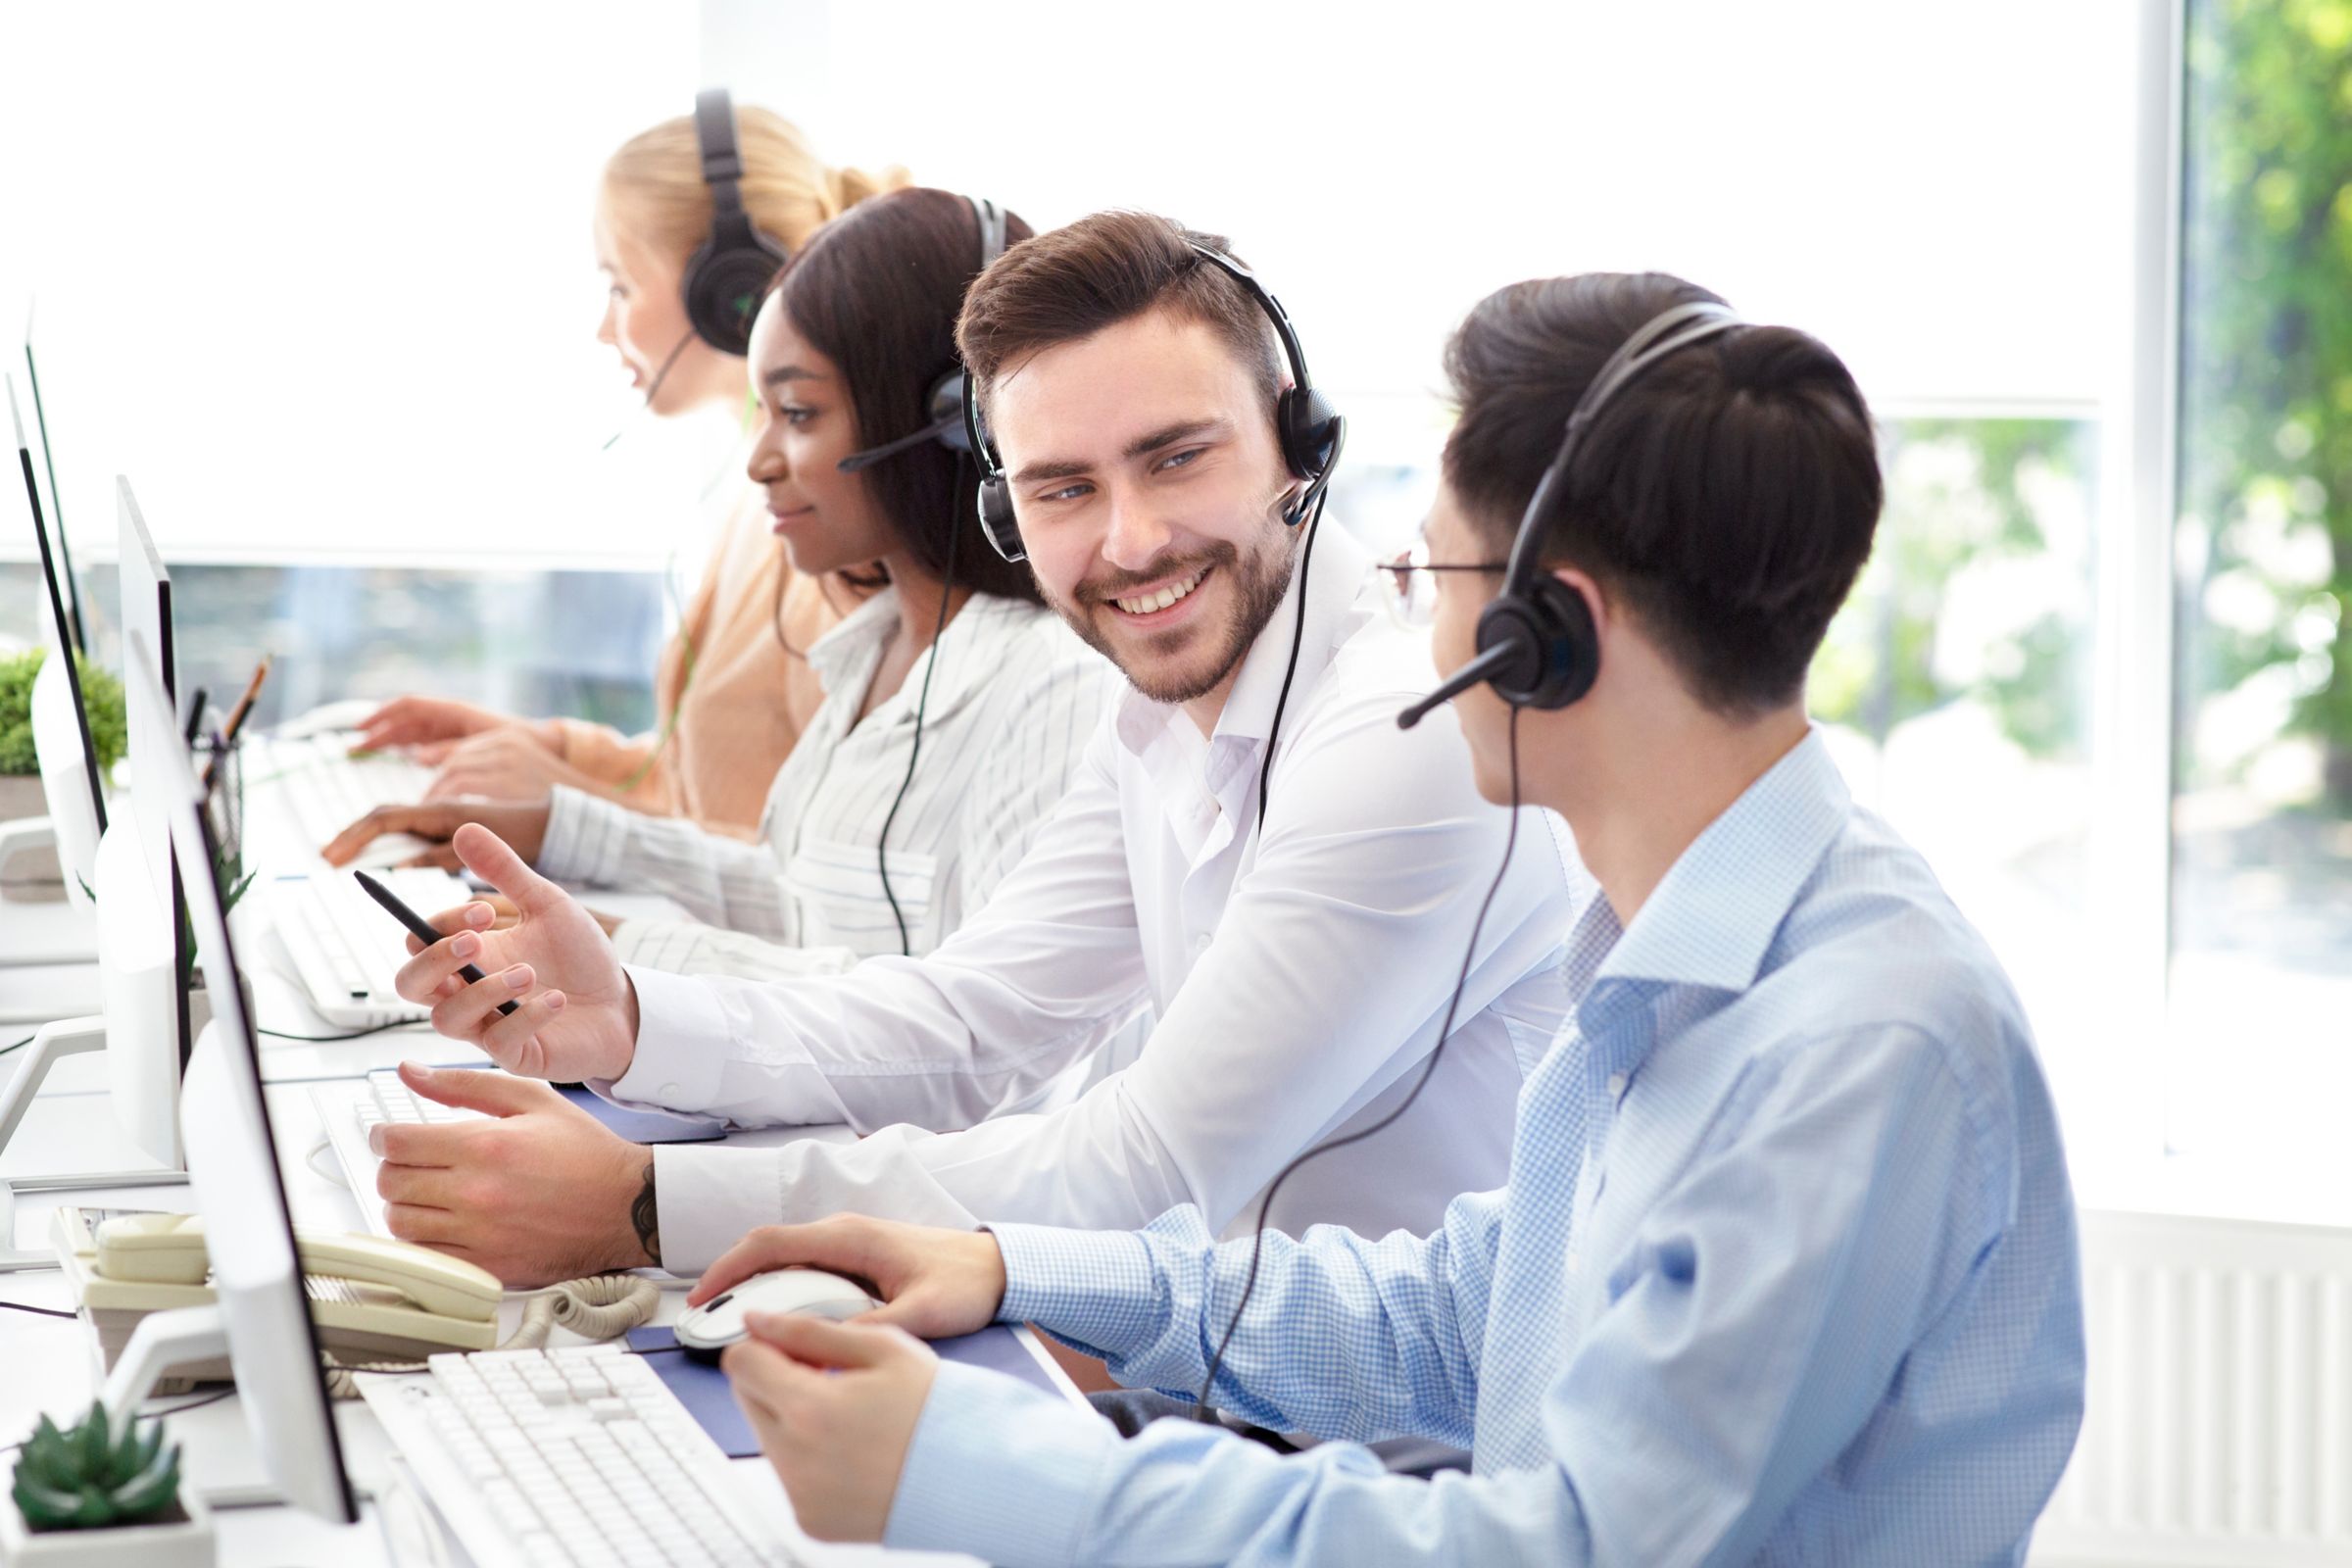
<point x="1072" y="282"/>
<point x="1730" y="493"/>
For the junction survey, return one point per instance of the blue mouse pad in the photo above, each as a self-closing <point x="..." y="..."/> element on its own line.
<point x="637" y="1126"/>
<point x="704" y="1392"/>
<point x="646" y="1126"/>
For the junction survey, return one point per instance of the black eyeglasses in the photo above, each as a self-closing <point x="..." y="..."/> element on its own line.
<point x="1412" y="596"/>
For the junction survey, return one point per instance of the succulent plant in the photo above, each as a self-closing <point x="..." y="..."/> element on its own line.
<point x="86" y="1476"/>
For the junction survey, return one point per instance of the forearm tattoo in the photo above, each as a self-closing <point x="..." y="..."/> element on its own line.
<point x="646" y="1215"/>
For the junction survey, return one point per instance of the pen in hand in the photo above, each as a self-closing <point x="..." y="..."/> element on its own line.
<point x="417" y="926"/>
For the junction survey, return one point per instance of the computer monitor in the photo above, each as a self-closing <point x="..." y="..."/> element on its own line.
<point x="147" y="610"/>
<point x="232" y="1161"/>
<point x="60" y="727"/>
<point x="145" y="958"/>
<point x="57" y="507"/>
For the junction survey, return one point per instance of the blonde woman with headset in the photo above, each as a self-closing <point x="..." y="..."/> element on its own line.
<point x="693" y="217"/>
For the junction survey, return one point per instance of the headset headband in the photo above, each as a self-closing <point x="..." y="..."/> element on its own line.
<point x="715" y="132"/>
<point x="1637" y="353"/>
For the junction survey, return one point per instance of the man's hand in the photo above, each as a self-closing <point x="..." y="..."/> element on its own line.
<point x="935" y="1282"/>
<point x="511" y="762"/>
<point x="522" y="823"/>
<point x="541" y="1194"/>
<point x="576" y="1013"/>
<point x="835" y="1406"/>
<point x="423" y="722"/>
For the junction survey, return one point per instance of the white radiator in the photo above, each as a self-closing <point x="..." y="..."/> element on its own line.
<point x="2218" y="1429"/>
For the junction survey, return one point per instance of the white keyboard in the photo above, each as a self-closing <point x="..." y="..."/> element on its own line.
<point x="570" y="1457"/>
<point x="346" y="948"/>
<point x="327" y="789"/>
<point x="347" y="1109"/>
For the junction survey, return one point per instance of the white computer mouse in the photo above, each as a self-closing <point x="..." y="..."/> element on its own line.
<point x="705" y="1329"/>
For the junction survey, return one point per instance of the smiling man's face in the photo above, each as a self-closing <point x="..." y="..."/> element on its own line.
<point x="1149" y="490"/>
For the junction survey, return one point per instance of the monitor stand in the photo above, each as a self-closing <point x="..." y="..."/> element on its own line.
<point x="68" y="1037"/>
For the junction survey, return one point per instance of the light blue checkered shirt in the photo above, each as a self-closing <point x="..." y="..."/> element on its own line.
<point x="1785" y="1273"/>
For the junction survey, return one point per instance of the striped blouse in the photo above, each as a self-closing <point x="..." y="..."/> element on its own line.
<point x="1009" y="712"/>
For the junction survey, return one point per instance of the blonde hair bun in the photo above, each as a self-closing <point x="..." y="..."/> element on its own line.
<point x="653" y="187"/>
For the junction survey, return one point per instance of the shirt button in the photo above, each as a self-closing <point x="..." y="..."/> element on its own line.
<point x="1200" y="944"/>
<point x="671" y="1093"/>
<point x="1616" y="1083"/>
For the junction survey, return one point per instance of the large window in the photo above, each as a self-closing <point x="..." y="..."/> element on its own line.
<point x="2262" y="815"/>
<point x="531" y="643"/>
<point x="1956" y="683"/>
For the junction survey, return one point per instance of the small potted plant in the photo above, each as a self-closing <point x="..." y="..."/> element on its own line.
<point x="88" y="1497"/>
<point x="19" y="768"/>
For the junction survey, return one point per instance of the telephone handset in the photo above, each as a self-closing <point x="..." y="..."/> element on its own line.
<point x="371" y="1298"/>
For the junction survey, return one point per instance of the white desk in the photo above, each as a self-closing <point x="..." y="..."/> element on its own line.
<point x="52" y="1366"/>
<point x="51" y="1362"/>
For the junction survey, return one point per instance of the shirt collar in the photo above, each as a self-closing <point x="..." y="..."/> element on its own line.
<point x="847" y="651"/>
<point x="1713" y="916"/>
<point x="1335" y="577"/>
<point x="854" y="639"/>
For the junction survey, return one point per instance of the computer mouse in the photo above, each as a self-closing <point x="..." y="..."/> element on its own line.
<point x="704" y="1331"/>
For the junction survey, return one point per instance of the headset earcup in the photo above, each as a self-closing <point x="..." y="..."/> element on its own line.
<point x="997" y="520"/>
<point x="945" y="412"/>
<point x="722" y="291"/>
<point x="1555" y="652"/>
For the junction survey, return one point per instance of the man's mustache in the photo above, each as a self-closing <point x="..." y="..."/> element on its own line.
<point x="1120" y="584"/>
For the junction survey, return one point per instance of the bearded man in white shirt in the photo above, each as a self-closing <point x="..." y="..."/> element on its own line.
<point x="1251" y="847"/>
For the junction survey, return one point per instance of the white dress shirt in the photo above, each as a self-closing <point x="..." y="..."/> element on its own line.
<point x="1011" y="706"/>
<point x="1298" y="975"/>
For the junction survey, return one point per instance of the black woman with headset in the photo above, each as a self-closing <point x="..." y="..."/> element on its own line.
<point x="693" y="217"/>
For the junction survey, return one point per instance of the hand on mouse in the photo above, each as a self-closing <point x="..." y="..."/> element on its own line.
<point x="934" y="1282"/>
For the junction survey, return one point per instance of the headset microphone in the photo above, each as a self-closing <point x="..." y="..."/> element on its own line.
<point x="1486" y="667"/>
<point x="652" y="388"/>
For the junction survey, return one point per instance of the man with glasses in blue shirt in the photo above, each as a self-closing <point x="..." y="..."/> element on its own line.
<point x="1785" y="1268"/>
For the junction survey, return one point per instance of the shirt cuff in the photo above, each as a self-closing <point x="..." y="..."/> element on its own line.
<point x="709" y="1198"/>
<point x="583" y="839"/>
<point x="1089" y="1286"/>
<point x="1000" y="1470"/>
<point x="682" y="1045"/>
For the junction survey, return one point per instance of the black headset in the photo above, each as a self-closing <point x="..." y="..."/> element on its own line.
<point x="726" y="276"/>
<point x="1307" y="427"/>
<point x="1537" y="646"/>
<point x="944" y="406"/>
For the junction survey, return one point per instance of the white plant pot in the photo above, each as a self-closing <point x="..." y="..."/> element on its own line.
<point x="183" y="1543"/>
<point x="20" y="796"/>
<point x="32" y="873"/>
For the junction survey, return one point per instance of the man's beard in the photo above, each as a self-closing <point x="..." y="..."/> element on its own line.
<point x="1259" y="582"/>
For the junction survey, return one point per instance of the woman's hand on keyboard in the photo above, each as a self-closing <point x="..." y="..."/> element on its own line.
<point x="511" y="762"/>
<point x="935" y="1282"/>
<point x="423" y="722"/>
<point x="575" y="1014"/>
<point x="522" y="823"/>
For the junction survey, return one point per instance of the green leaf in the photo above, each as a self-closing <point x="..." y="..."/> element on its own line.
<point x="44" y="1507"/>
<point x="90" y="1441"/>
<point x="151" y="1490"/>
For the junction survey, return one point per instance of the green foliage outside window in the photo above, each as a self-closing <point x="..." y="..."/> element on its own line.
<point x="1971" y="497"/>
<point x="2265" y="564"/>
